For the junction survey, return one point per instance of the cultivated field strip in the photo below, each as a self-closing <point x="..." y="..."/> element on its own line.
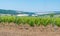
<point x="32" y="21"/>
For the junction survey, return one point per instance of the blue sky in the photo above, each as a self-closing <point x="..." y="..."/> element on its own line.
<point x="30" y="5"/>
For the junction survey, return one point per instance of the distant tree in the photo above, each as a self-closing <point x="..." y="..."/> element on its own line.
<point x="51" y="15"/>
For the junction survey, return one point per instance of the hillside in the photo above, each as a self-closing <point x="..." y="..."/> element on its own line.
<point x="15" y="12"/>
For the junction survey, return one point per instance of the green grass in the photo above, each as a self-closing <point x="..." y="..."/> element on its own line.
<point x="31" y="20"/>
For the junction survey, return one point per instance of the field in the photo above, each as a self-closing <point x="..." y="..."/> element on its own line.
<point x="29" y="26"/>
<point x="32" y="21"/>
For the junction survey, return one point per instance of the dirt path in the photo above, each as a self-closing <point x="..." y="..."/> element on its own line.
<point x="3" y="33"/>
<point x="12" y="30"/>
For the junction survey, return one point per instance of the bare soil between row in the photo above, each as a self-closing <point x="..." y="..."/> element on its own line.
<point x="12" y="29"/>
